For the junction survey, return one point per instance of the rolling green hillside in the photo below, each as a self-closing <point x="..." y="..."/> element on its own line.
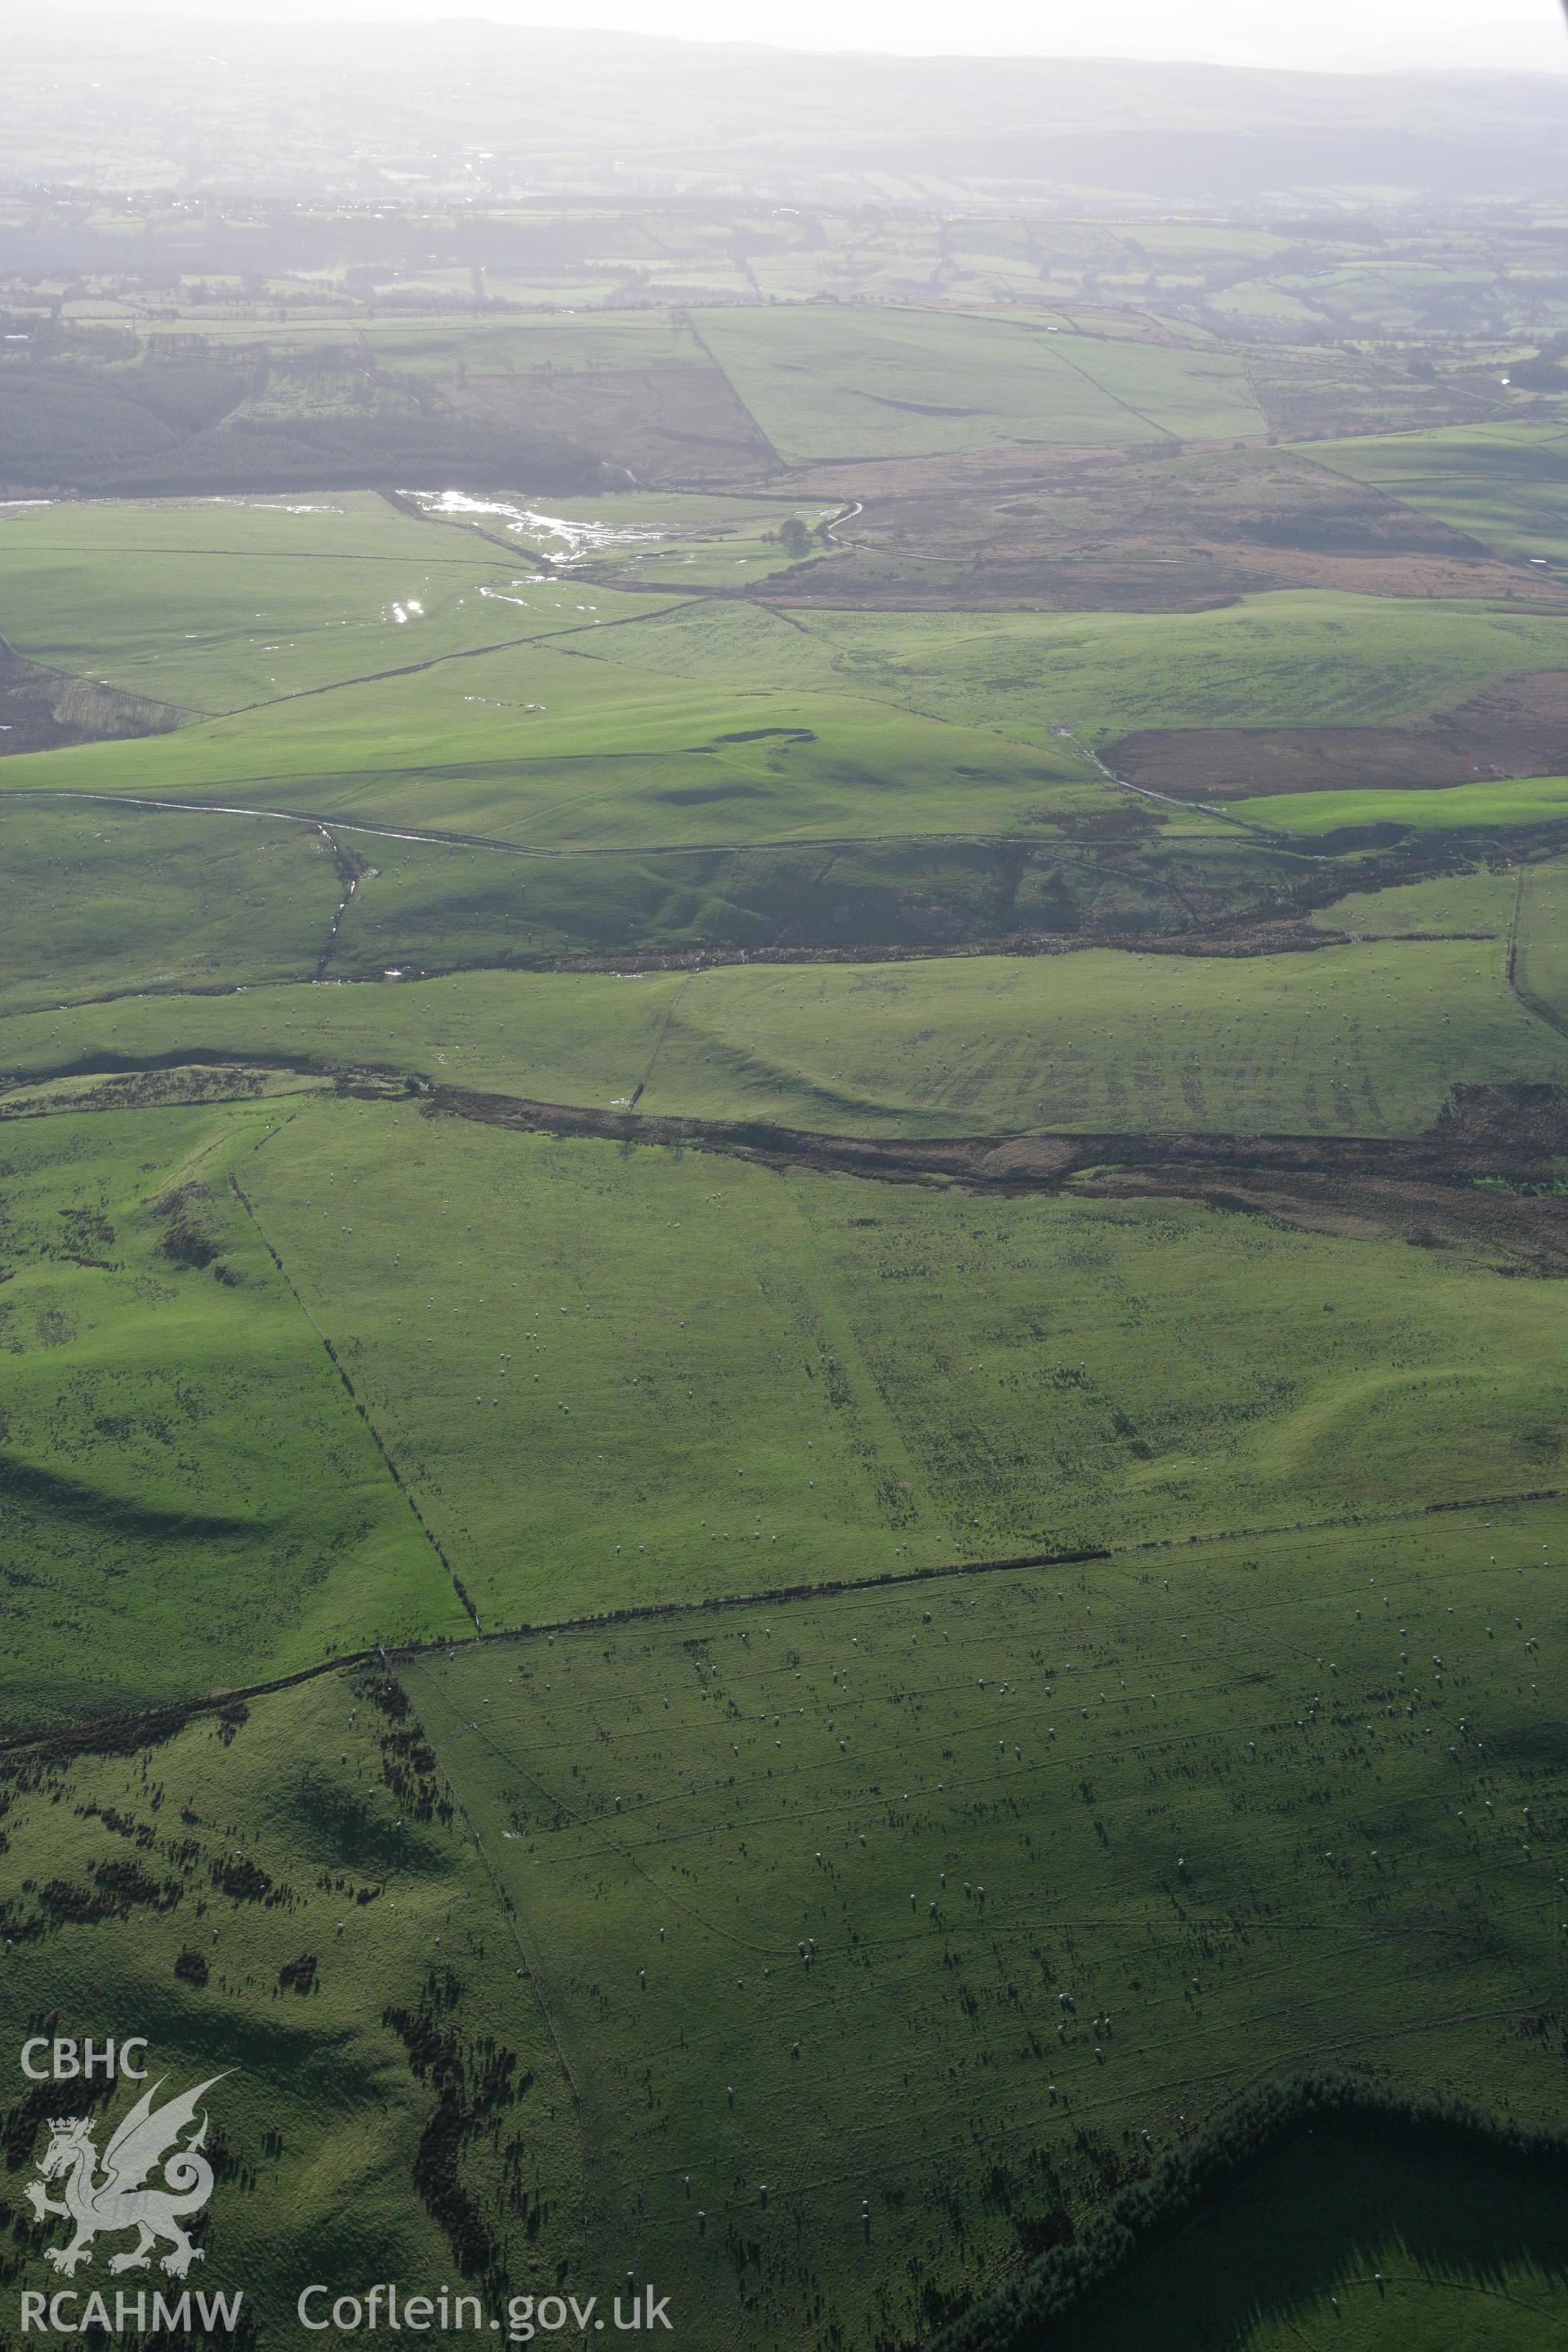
<point x="783" y="1187"/>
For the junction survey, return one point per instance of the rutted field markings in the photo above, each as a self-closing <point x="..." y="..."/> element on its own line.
<point x="354" y="1398"/>
<point x="771" y="1597"/>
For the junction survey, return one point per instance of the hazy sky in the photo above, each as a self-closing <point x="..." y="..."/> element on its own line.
<point x="1367" y="33"/>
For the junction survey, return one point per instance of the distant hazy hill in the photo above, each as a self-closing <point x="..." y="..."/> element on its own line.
<point x="494" y="112"/>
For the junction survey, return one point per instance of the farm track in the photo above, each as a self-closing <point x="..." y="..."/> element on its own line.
<point x="1169" y="799"/>
<point x="434" y="839"/>
<point x="1249" y="934"/>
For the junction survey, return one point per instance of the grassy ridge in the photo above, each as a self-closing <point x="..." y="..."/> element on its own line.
<point x="444" y="907"/>
<point x="534" y="745"/>
<point x="1294" y="658"/>
<point x="1300" y="657"/>
<point x="188" y="1498"/>
<point x="1362" y="1040"/>
<point x="1409" y="2217"/>
<point x="157" y="901"/>
<point x="209" y="900"/>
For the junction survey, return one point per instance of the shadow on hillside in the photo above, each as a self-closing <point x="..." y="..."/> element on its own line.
<point x="1332" y="2204"/>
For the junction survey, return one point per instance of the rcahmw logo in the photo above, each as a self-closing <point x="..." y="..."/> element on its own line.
<point x="152" y="2178"/>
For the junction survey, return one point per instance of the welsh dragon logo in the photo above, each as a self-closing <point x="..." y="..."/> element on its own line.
<point x="102" y="2203"/>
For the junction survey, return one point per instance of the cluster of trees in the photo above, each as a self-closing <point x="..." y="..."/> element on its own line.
<point x="798" y="537"/>
<point x="1547" y="371"/>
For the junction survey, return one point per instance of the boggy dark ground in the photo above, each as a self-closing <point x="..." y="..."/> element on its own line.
<point x="1489" y="1177"/>
<point x="1518" y="727"/>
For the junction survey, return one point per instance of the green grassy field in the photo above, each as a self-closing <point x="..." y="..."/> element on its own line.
<point x="1111" y="1842"/>
<point x="1478" y="809"/>
<point x="944" y="1689"/>
<point x="157" y="899"/>
<point x="1507" y="485"/>
<point x="817" y="1372"/>
<point x="1481" y="903"/>
<point x="718" y="643"/>
<point x="1304" y="658"/>
<point x="189" y="1500"/>
<point x="213" y="603"/>
<point x="1360" y="1040"/>
<point x="1541" y="948"/>
<point x="535" y="746"/>
<point x="220" y="603"/>
<point x="1307" y="658"/>
<point x="857" y="384"/>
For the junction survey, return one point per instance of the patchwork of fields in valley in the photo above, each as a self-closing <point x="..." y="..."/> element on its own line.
<point x="786" y="1327"/>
